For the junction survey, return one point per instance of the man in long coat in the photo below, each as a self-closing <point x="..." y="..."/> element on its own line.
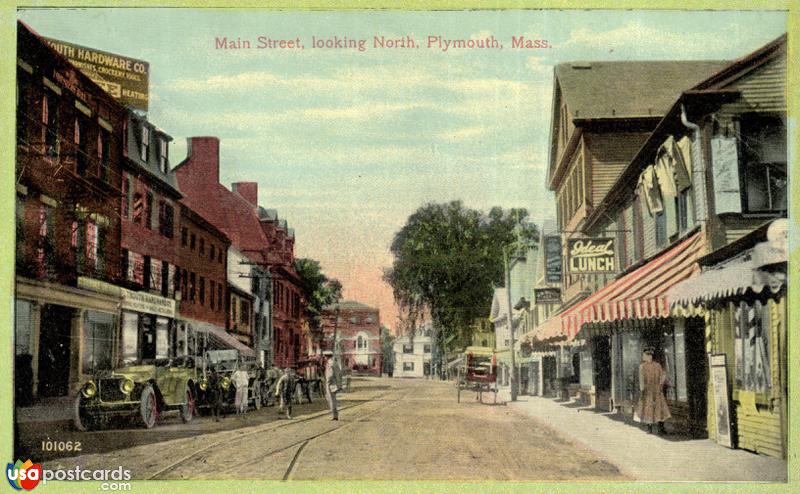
<point x="331" y="383"/>
<point x="652" y="407"/>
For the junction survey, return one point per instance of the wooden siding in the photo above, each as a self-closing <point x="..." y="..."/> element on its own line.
<point x="607" y="155"/>
<point x="649" y="231"/>
<point x="762" y="90"/>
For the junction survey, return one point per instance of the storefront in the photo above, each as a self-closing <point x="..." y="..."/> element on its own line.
<point x="193" y="337"/>
<point x="741" y="300"/>
<point x="62" y="335"/>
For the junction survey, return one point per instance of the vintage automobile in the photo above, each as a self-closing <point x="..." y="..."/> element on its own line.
<point x="227" y="362"/>
<point x="477" y="372"/>
<point x="144" y="391"/>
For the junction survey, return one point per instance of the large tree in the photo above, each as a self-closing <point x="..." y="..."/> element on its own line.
<point x="318" y="289"/>
<point x="447" y="259"/>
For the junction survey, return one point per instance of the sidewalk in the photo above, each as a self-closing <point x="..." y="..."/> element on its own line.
<point x="650" y="457"/>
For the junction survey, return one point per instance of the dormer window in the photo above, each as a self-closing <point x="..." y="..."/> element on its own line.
<point x="163" y="155"/>
<point x="145" y="144"/>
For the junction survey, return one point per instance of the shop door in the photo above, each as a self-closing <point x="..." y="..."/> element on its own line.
<point x="54" y="350"/>
<point x="549" y="374"/>
<point x="601" y="358"/>
<point x="696" y="372"/>
<point x="148" y="341"/>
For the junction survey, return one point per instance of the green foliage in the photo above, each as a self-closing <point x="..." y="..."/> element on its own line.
<point x="448" y="258"/>
<point x="318" y="289"/>
<point x="387" y="350"/>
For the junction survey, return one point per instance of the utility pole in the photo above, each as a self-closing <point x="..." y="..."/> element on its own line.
<point x="510" y="319"/>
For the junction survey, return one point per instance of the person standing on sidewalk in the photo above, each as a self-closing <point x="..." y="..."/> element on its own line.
<point x="331" y="383"/>
<point x="652" y="407"/>
<point x="240" y="381"/>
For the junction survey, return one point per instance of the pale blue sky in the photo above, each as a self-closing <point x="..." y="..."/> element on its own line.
<point x="347" y="144"/>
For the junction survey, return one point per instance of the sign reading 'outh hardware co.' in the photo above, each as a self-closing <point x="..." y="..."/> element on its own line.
<point x="590" y="255"/>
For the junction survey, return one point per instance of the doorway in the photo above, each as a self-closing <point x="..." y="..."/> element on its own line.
<point x="696" y="373"/>
<point x="55" y="342"/>
<point x="602" y="372"/>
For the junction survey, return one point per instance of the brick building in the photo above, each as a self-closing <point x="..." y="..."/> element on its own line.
<point x="68" y="178"/>
<point x="356" y="328"/>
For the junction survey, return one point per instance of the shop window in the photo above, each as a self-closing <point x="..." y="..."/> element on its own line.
<point x="22" y="327"/>
<point x="763" y="151"/>
<point x="98" y="341"/>
<point x="751" y="347"/>
<point x="162" y="337"/>
<point x="50" y="123"/>
<point x="408" y="348"/>
<point x="130" y="337"/>
<point x="408" y="366"/>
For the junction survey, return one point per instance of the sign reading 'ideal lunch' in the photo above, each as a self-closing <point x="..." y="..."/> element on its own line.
<point x="590" y="255"/>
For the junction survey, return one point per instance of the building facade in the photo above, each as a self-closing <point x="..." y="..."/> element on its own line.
<point x="412" y="355"/>
<point x="353" y="331"/>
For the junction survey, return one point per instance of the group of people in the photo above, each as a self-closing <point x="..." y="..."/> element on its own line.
<point x="283" y="385"/>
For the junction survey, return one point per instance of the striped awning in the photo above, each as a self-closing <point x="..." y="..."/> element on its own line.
<point x="640" y="294"/>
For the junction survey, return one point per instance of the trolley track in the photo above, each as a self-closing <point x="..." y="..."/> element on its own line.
<point x="238" y="436"/>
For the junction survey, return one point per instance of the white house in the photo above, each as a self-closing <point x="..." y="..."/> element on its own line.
<point x="412" y="356"/>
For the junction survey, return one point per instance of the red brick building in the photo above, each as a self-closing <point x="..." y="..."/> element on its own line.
<point x="68" y="178"/>
<point x="260" y="258"/>
<point x="357" y="329"/>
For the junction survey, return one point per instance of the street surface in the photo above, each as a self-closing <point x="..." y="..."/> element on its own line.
<point x="388" y="429"/>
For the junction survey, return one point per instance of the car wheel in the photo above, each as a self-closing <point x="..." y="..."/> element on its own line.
<point x="189" y="408"/>
<point x="148" y="407"/>
<point x="82" y="419"/>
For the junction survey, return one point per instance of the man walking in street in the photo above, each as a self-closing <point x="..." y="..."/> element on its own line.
<point x="331" y="383"/>
<point x="285" y="391"/>
<point x="214" y="394"/>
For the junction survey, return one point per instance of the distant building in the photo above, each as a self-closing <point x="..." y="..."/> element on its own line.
<point x="356" y="329"/>
<point x="412" y="356"/>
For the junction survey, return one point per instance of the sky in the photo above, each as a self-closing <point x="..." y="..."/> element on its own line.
<point x="346" y="144"/>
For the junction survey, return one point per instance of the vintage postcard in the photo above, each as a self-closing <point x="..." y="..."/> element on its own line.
<point x="478" y="249"/>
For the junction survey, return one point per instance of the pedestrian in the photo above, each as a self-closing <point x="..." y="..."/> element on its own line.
<point x="331" y="383"/>
<point x="214" y="393"/>
<point x="285" y="390"/>
<point x="240" y="381"/>
<point x="652" y="408"/>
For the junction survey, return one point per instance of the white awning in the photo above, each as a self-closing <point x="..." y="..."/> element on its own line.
<point x="219" y="339"/>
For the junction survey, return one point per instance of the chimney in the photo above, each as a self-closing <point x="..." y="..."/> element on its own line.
<point x="202" y="153"/>
<point x="248" y="190"/>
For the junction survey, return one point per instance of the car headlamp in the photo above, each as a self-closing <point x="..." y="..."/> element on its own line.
<point x="203" y="384"/>
<point x="89" y="389"/>
<point x="225" y="383"/>
<point x="126" y="386"/>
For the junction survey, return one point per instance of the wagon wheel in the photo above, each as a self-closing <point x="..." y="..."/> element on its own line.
<point x="82" y="419"/>
<point x="148" y="407"/>
<point x="189" y="408"/>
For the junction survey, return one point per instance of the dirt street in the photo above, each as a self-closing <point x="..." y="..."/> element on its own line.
<point x="388" y="429"/>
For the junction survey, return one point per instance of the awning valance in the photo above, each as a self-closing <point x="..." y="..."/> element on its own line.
<point x="737" y="276"/>
<point x="640" y="294"/>
<point x="219" y="339"/>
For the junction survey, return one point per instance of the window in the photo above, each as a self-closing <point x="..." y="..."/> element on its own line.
<point x="138" y="207"/>
<point x="165" y="278"/>
<point x="751" y="347"/>
<point x="219" y="296"/>
<point x="211" y="294"/>
<point x="244" y="314"/>
<point x="104" y="153"/>
<point x="46" y="244"/>
<point x="661" y="228"/>
<point x="408" y="348"/>
<point x="202" y="246"/>
<point x="185" y="285"/>
<point x="408" y="366"/>
<point x="353" y="319"/>
<point x="163" y="157"/>
<point x="621" y="237"/>
<point x="23" y="109"/>
<point x="234" y="303"/>
<point x="427" y="348"/>
<point x="177" y="281"/>
<point x="126" y="196"/>
<point x="50" y="120"/>
<point x="763" y="151"/>
<point x="191" y="286"/>
<point x="184" y="236"/>
<point x="192" y="240"/>
<point x="212" y="253"/>
<point x="637" y="227"/>
<point x="166" y="214"/>
<point x="682" y="207"/>
<point x="219" y="256"/>
<point x="81" y="146"/>
<point x="361" y="342"/>
<point x="202" y="290"/>
<point x="148" y="211"/>
<point x="145" y="144"/>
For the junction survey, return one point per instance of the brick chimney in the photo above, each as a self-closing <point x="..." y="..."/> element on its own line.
<point x="248" y="190"/>
<point x="202" y="156"/>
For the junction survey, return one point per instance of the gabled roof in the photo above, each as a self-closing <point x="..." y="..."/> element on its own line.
<point x="628" y="88"/>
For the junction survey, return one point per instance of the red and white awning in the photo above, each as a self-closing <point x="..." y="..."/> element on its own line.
<point x="640" y="294"/>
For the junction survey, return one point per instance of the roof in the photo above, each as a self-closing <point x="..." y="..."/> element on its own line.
<point x="348" y="305"/>
<point x="628" y="88"/>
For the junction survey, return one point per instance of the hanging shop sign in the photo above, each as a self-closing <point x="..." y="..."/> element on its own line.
<point x="722" y="407"/>
<point x="725" y="168"/>
<point x="125" y="79"/>
<point x="552" y="258"/>
<point x="590" y="255"/>
<point x="546" y="295"/>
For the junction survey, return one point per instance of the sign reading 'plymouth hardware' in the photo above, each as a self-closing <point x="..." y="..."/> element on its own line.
<point x="590" y="255"/>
